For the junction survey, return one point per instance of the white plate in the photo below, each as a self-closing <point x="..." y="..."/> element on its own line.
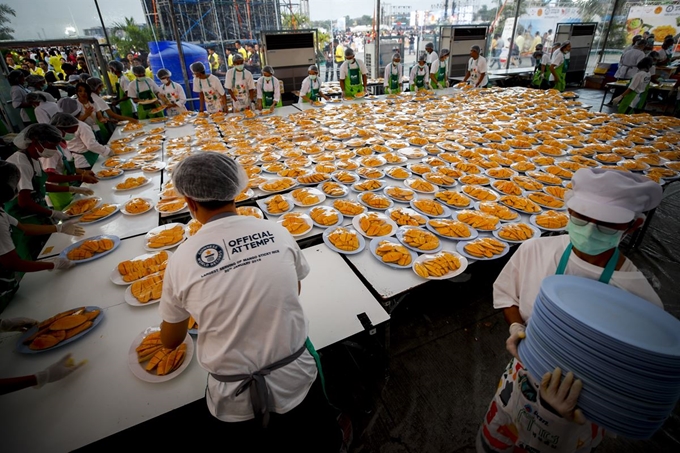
<point x="356" y="177"/>
<point x="148" y="181"/>
<point x="148" y="200"/>
<point x="409" y="181"/>
<point x="397" y="199"/>
<point x="328" y="231"/>
<point x="354" y="186"/>
<point x="350" y="215"/>
<point x="407" y="211"/>
<point x="520" y="210"/>
<point x="517" y="217"/>
<point x="263" y="205"/>
<point x="532" y="220"/>
<point x="505" y="169"/>
<point x="184" y="206"/>
<point x="462" y="190"/>
<point x="118" y="279"/>
<point x="157" y="230"/>
<point x="257" y="211"/>
<point x="460" y="247"/>
<point x="361" y="200"/>
<point x="99" y="200"/>
<point x="410" y="167"/>
<point x="537" y="234"/>
<point x="116" y="244"/>
<point x="380" y="174"/>
<point x="340" y="221"/>
<point x="115" y="211"/>
<point x="304" y="217"/>
<point x="373" y="245"/>
<point x="473" y="232"/>
<point x="446" y="213"/>
<point x="400" y="235"/>
<point x="313" y="191"/>
<point x="445" y="186"/>
<point x="158" y="166"/>
<point x="138" y="369"/>
<point x="356" y="222"/>
<point x="132" y="301"/>
<point x="410" y="173"/>
<point x="248" y="195"/>
<point x="295" y="184"/>
<point x="104" y="178"/>
<point x="426" y="257"/>
<point x="344" y="188"/>
<point x="137" y="166"/>
<point x="454" y="216"/>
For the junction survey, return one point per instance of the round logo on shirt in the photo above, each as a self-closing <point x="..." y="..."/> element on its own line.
<point x="209" y="255"/>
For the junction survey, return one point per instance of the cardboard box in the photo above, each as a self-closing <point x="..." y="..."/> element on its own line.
<point x="595" y="81"/>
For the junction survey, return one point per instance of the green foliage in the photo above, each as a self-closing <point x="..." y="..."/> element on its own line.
<point x="128" y="36"/>
<point x="5" y="30"/>
<point x="294" y="21"/>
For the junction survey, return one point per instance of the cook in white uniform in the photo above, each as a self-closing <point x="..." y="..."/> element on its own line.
<point x="239" y="277"/>
<point x="311" y="86"/>
<point x="629" y="60"/>
<point x="419" y="78"/>
<point x="431" y="55"/>
<point x="439" y="70"/>
<point x="43" y="108"/>
<point x="603" y="206"/>
<point x="477" y="69"/>
<point x="172" y="92"/>
<point x="353" y="75"/>
<point x="83" y="139"/>
<point x="97" y="86"/>
<point x="268" y="90"/>
<point x="240" y="84"/>
<point x="212" y="98"/>
<point x="393" y="74"/>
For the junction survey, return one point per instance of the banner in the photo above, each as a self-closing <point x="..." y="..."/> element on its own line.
<point x="659" y="20"/>
<point x="543" y="20"/>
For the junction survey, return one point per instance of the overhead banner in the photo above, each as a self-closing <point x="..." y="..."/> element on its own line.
<point x="659" y="20"/>
<point x="542" y="20"/>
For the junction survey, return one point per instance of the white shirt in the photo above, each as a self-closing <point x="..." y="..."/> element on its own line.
<point x="477" y="68"/>
<point x="92" y="119"/>
<point x="556" y="59"/>
<point x="307" y="86"/>
<point x="417" y="70"/>
<point x="640" y="81"/>
<point x="18" y="94"/>
<point x="545" y="59"/>
<point x="434" y="68"/>
<point x="272" y="85"/>
<point x="246" y="304"/>
<point x="210" y="86"/>
<point x="45" y="111"/>
<point x="99" y="104"/>
<point x="520" y="280"/>
<point x="85" y="141"/>
<point x="27" y="168"/>
<point x="55" y="164"/>
<point x="243" y="79"/>
<point x="628" y="63"/>
<point x="143" y="84"/>
<point x="174" y="92"/>
<point x="344" y="69"/>
<point x="432" y="57"/>
<point x="124" y="82"/>
<point x="389" y="70"/>
<point x="6" y="224"/>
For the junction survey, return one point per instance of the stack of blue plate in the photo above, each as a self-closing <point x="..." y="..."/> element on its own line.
<point x="625" y="350"/>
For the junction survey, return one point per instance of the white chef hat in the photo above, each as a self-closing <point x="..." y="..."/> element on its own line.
<point x="612" y="196"/>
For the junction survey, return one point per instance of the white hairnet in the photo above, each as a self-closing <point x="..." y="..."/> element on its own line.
<point x="163" y="73"/>
<point x="94" y="83"/>
<point x="62" y="119"/>
<point x="70" y="105"/>
<point x="40" y="132"/>
<point x="117" y="65"/>
<point x="197" y="66"/>
<point x="268" y="69"/>
<point x="209" y="177"/>
<point x="36" y="97"/>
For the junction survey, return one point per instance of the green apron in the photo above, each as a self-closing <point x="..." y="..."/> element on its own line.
<point x="356" y="81"/>
<point x="30" y="111"/>
<point x="313" y="92"/>
<point x="125" y="106"/>
<point x="629" y="101"/>
<point x="561" y="79"/>
<point x="61" y="199"/>
<point x="441" y="75"/>
<point x="420" y="79"/>
<point x="393" y="84"/>
<point x="144" y="110"/>
<point x="606" y="274"/>
<point x="268" y="97"/>
<point x="539" y="76"/>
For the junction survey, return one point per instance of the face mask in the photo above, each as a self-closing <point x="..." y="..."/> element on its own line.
<point x="567" y="55"/>
<point x="395" y="64"/>
<point x="69" y="136"/>
<point x="47" y="152"/>
<point x="267" y="79"/>
<point x="350" y="60"/>
<point x="591" y="241"/>
<point x="239" y="67"/>
<point x="312" y="76"/>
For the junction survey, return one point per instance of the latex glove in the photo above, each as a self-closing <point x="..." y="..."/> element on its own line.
<point x="61" y="263"/>
<point x="57" y="371"/>
<point x="16" y="324"/>
<point x="617" y="100"/>
<point x="70" y="227"/>
<point x="562" y="396"/>
<point x="58" y="215"/>
<point x="517" y="334"/>
<point x="81" y="190"/>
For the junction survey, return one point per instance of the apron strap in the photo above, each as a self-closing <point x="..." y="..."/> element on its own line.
<point x="606" y="275"/>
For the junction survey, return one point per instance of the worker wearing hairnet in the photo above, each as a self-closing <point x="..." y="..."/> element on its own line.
<point x="240" y="84"/>
<point x="97" y="86"/>
<point x="477" y="69"/>
<point x="392" y="75"/>
<point x="310" y="91"/>
<point x="144" y="91"/>
<point x="212" y="97"/>
<point x="430" y="55"/>
<point x="239" y="278"/>
<point x="353" y="75"/>
<point x="420" y="75"/>
<point x="14" y="256"/>
<point x="173" y="93"/>
<point x="439" y="74"/>
<point x="559" y="65"/>
<point x="268" y="91"/>
<point x="122" y="99"/>
<point x="81" y="142"/>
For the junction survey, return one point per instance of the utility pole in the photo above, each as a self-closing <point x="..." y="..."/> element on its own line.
<point x="378" y="13"/>
<point x="180" y="51"/>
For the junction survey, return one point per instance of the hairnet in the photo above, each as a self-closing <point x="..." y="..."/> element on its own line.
<point x="94" y="83"/>
<point x="117" y="65"/>
<point x="422" y="57"/>
<point x="35" y="97"/>
<point x="62" y="119"/>
<point x="556" y="44"/>
<point x="237" y="57"/>
<point x="349" y="52"/>
<point x="429" y="45"/>
<point x="163" y="73"/>
<point x="34" y="79"/>
<point x="565" y="44"/>
<point x="11" y="175"/>
<point x="40" y="132"/>
<point x="476" y="49"/>
<point x="268" y="69"/>
<point x="70" y="105"/>
<point x="73" y="78"/>
<point x="444" y="52"/>
<point x="313" y="67"/>
<point x="139" y="70"/>
<point x="197" y="67"/>
<point x="209" y="177"/>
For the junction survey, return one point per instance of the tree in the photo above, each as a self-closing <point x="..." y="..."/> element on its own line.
<point x="129" y="36"/>
<point x="485" y="14"/>
<point x="294" y="21"/>
<point x="5" y="30"/>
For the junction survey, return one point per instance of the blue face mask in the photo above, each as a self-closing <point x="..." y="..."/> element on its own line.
<point x="591" y="241"/>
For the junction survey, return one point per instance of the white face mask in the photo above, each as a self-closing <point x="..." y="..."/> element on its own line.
<point x="312" y="76"/>
<point x="567" y="55"/>
<point x="47" y="152"/>
<point x="239" y="67"/>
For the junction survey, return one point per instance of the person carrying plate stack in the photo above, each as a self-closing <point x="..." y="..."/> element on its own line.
<point x="477" y="70"/>
<point x="268" y="91"/>
<point x="353" y="75"/>
<point x="263" y="381"/>
<point x="635" y="96"/>
<point x="420" y="75"/>
<point x="212" y="98"/>
<point x="122" y="99"/>
<point x="310" y="91"/>
<point x="80" y="141"/>
<point x="172" y="92"/>
<point x="559" y="65"/>
<point x="439" y="70"/>
<point x="143" y="89"/>
<point x="604" y="206"/>
<point x="240" y="84"/>
<point x="393" y="74"/>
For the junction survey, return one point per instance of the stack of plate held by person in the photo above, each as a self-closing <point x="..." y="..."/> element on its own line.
<point x="625" y="349"/>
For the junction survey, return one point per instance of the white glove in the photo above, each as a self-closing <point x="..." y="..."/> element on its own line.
<point x="617" y="100"/>
<point x="562" y="396"/>
<point x="57" y="371"/>
<point x="58" y="215"/>
<point x="517" y="333"/>
<point x="81" y="190"/>
<point x="70" y="227"/>
<point x="61" y="263"/>
<point x="16" y="324"/>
